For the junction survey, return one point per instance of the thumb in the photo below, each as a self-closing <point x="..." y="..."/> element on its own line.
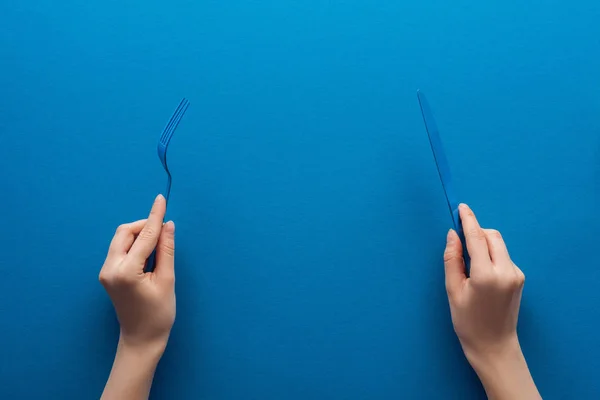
<point x="165" y="253"/>
<point x="146" y="240"/>
<point x="454" y="264"/>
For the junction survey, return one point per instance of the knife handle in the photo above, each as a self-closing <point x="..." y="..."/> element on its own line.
<point x="463" y="241"/>
<point x="150" y="262"/>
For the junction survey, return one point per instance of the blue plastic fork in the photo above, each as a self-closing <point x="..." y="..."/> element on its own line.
<point x="163" y="144"/>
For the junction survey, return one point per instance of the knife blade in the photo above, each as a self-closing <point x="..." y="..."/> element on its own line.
<point x="443" y="166"/>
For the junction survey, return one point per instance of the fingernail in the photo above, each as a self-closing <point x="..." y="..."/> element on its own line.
<point x="170" y="226"/>
<point x="463" y="206"/>
<point x="160" y="196"/>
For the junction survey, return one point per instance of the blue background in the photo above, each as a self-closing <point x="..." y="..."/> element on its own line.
<point x="310" y="217"/>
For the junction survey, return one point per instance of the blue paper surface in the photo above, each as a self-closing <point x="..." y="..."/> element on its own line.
<point x="310" y="217"/>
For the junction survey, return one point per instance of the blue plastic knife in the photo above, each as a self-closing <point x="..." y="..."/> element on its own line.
<point x="443" y="167"/>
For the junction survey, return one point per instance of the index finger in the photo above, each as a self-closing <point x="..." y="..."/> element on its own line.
<point x="124" y="237"/>
<point x="148" y="237"/>
<point x="475" y="237"/>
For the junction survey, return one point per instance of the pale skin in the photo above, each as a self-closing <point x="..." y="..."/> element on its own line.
<point x="484" y="306"/>
<point x="485" y="309"/>
<point x="144" y="301"/>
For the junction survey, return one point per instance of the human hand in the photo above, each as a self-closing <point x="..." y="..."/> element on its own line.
<point x="484" y="306"/>
<point x="144" y="301"/>
<point x="485" y="309"/>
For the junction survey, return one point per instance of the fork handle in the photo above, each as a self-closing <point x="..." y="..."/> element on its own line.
<point x="466" y="256"/>
<point x="151" y="262"/>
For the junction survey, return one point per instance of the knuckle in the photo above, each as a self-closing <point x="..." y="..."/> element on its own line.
<point x="122" y="228"/>
<point x="451" y="254"/>
<point x="154" y="210"/>
<point x="104" y="277"/>
<point x="520" y="278"/>
<point x="469" y="212"/>
<point x="509" y="281"/>
<point x="515" y="282"/>
<point x="475" y="233"/>
<point x="113" y="277"/>
<point x="168" y="247"/>
<point x="495" y="234"/>
<point x="148" y="233"/>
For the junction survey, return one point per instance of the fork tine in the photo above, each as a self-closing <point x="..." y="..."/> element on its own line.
<point x="168" y="133"/>
<point x="177" y="116"/>
<point x="171" y="128"/>
<point x="175" y="113"/>
<point x="173" y="117"/>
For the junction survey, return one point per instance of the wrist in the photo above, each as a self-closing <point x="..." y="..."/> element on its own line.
<point x="503" y="371"/>
<point x="132" y="371"/>
<point x="149" y="353"/>
<point x="495" y="357"/>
